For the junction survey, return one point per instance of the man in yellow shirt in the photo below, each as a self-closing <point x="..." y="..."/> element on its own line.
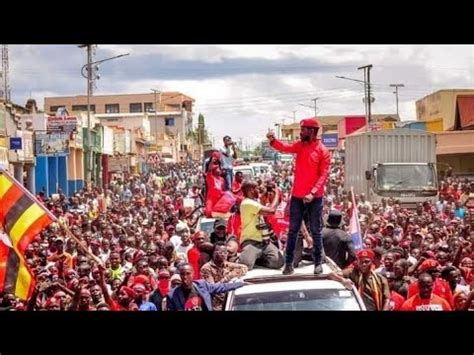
<point x="256" y="248"/>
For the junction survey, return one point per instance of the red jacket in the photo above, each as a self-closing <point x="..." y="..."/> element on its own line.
<point x="311" y="166"/>
<point x="193" y="258"/>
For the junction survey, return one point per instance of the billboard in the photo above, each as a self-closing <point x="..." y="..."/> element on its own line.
<point x="51" y="143"/>
<point x="329" y="140"/>
<point x="62" y="123"/>
<point x="118" y="164"/>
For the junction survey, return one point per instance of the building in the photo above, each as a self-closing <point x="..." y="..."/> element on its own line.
<point x="333" y="123"/>
<point x="138" y="126"/>
<point x="450" y="115"/>
<point x="455" y="107"/>
<point x="3" y="137"/>
<point x="58" y="153"/>
<point x="172" y="121"/>
<point x="16" y="142"/>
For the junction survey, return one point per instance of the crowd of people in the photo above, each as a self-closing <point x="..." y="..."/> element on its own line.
<point x="136" y="246"/>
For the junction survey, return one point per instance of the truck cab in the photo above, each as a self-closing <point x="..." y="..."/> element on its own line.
<point x="410" y="183"/>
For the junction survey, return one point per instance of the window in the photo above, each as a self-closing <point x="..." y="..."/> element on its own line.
<point x="149" y="107"/>
<point x="136" y="107"/>
<point x="82" y="108"/>
<point x="53" y="109"/>
<point x="169" y="121"/>
<point x="112" y="108"/>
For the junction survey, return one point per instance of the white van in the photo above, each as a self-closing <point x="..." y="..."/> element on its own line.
<point x="260" y="168"/>
<point x="246" y="170"/>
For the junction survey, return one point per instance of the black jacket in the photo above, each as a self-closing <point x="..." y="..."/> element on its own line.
<point x="338" y="246"/>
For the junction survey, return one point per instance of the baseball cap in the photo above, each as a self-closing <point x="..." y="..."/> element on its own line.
<point x="310" y="123"/>
<point x="220" y="223"/>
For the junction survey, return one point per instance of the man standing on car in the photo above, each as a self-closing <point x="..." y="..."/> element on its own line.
<point x="228" y="154"/>
<point x="311" y="173"/>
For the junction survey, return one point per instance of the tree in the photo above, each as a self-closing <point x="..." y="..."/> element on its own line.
<point x="200" y="135"/>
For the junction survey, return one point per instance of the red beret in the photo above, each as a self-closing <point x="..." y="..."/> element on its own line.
<point x="141" y="279"/>
<point x="366" y="253"/>
<point x="129" y="291"/>
<point x="428" y="264"/>
<point x="310" y="122"/>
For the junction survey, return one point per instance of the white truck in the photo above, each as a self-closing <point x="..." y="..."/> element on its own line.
<point x="398" y="163"/>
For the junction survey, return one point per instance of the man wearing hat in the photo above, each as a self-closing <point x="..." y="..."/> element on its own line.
<point x="311" y="173"/>
<point x="337" y="243"/>
<point x="373" y="287"/>
<point x="220" y="231"/>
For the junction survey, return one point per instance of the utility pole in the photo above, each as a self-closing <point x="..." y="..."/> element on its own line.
<point x="294" y="116"/>
<point x="396" y="86"/>
<point x="368" y="98"/>
<point x="89" y="93"/>
<point x="155" y="103"/>
<point x="5" y="73"/>
<point x="315" y="106"/>
<point x="90" y="83"/>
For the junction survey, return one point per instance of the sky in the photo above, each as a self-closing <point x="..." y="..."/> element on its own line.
<point x="243" y="90"/>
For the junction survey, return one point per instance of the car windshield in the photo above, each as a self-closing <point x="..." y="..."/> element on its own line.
<point x="403" y="177"/>
<point x="297" y="300"/>
<point x="247" y="173"/>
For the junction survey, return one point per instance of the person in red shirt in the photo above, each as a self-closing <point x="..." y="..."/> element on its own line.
<point x="194" y="254"/>
<point x="215" y="185"/>
<point x="425" y="299"/>
<point x="237" y="186"/>
<point x="311" y="173"/>
<point x="396" y="299"/>
<point x="440" y="287"/>
<point x="234" y="225"/>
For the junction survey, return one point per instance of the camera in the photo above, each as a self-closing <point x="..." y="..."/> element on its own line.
<point x="267" y="232"/>
<point x="270" y="187"/>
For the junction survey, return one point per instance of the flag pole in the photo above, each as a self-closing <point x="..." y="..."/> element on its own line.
<point x="52" y="216"/>
<point x="79" y="242"/>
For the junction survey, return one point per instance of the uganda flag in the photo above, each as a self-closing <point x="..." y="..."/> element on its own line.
<point x="22" y="217"/>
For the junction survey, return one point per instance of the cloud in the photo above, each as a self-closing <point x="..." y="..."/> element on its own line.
<point x="243" y="90"/>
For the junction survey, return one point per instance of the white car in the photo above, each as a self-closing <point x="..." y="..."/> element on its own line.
<point x="269" y="290"/>
<point x="260" y="168"/>
<point x="246" y="170"/>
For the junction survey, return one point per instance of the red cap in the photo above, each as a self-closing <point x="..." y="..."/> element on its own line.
<point x="310" y="123"/>
<point x="141" y="279"/>
<point x="129" y="291"/>
<point x="366" y="253"/>
<point x="216" y="155"/>
<point x="428" y="264"/>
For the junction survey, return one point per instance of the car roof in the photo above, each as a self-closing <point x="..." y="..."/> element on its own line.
<point x="291" y="286"/>
<point x="237" y="167"/>
<point x="306" y="271"/>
